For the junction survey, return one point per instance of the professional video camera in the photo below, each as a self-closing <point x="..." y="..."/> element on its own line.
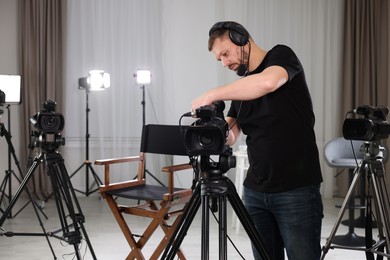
<point x="2" y="100"/>
<point x="207" y="135"/>
<point x="372" y="126"/>
<point x="49" y="125"/>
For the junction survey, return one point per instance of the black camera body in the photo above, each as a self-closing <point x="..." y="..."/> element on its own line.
<point x="372" y="126"/>
<point x="2" y="100"/>
<point x="207" y="135"/>
<point x="47" y="120"/>
<point x="49" y="125"/>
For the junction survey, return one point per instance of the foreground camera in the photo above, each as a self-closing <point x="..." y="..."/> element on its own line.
<point x="372" y="126"/>
<point x="207" y="135"/>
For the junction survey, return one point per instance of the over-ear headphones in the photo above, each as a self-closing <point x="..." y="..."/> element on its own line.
<point x="237" y="33"/>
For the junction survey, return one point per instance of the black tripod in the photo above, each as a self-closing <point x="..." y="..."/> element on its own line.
<point x="8" y="173"/>
<point x="87" y="163"/>
<point x="69" y="211"/>
<point x="6" y="184"/>
<point x="214" y="187"/>
<point x="376" y="182"/>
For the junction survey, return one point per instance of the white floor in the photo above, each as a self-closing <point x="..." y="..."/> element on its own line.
<point x="109" y="243"/>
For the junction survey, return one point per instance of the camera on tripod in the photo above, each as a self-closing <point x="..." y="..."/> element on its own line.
<point x="49" y="125"/>
<point x="371" y="126"/>
<point x="207" y="135"/>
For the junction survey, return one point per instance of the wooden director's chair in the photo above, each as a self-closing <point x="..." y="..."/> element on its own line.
<point x="156" y="139"/>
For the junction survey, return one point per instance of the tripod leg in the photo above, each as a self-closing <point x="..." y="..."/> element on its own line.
<point x="3" y="187"/>
<point x="183" y="226"/>
<point x="154" y="177"/>
<point x="10" y="173"/>
<point x="67" y="203"/>
<point x="98" y="181"/>
<point x="342" y="209"/>
<point x="222" y="227"/>
<point x="74" y="173"/>
<point x="19" y="180"/>
<point x="351" y="238"/>
<point x="23" y="186"/>
<point x="246" y="221"/>
<point x="20" y="190"/>
<point x="381" y="203"/>
<point x="79" y="217"/>
<point x="205" y="227"/>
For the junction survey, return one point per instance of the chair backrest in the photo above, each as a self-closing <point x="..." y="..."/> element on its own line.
<point x="339" y="153"/>
<point x="163" y="139"/>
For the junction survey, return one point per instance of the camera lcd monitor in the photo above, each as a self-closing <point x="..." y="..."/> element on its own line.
<point x="10" y="85"/>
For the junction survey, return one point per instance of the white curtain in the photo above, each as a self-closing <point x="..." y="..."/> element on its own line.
<point x="170" y="38"/>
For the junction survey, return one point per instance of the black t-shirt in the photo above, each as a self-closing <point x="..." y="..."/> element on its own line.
<point x="282" y="149"/>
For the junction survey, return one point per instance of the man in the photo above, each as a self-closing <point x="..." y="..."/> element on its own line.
<point x="271" y="105"/>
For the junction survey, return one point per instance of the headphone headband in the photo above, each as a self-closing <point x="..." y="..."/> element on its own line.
<point x="237" y="33"/>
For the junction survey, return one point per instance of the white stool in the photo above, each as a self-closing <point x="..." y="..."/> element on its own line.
<point x="242" y="166"/>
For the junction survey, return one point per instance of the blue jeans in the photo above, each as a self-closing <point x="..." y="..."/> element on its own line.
<point x="288" y="220"/>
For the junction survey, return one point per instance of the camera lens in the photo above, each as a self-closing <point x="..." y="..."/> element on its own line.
<point x="359" y="129"/>
<point x="51" y="122"/>
<point x="206" y="139"/>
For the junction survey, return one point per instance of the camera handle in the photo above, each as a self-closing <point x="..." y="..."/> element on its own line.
<point x="216" y="187"/>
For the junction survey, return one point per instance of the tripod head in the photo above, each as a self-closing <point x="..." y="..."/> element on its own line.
<point x="372" y="150"/>
<point x="213" y="169"/>
<point x="48" y="142"/>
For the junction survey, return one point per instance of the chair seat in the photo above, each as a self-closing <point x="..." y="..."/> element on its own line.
<point x="142" y="192"/>
<point x="344" y="163"/>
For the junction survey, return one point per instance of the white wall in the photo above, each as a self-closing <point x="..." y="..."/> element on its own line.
<point x="187" y="68"/>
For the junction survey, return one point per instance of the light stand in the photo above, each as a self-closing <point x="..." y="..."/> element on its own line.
<point x="7" y="181"/>
<point x="144" y="78"/>
<point x="98" y="80"/>
<point x="11" y="86"/>
<point x="10" y="93"/>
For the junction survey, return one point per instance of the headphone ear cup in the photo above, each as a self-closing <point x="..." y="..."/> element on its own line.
<point x="238" y="37"/>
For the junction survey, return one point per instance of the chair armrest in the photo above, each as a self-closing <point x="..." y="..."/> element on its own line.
<point x="118" y="160"/>
<point x="175" y="168"/>
<point x="107" y="162"/>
